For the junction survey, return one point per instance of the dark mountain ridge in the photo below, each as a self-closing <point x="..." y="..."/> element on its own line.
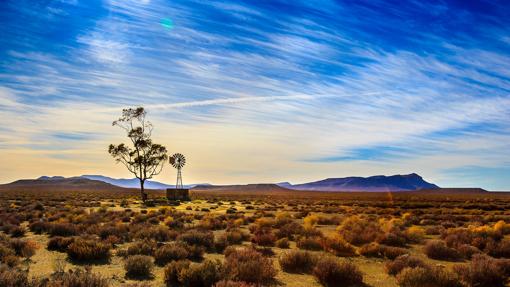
<point x="408" y="182"/>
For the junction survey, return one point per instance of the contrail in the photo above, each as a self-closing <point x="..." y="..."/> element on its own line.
<point x="238" y="100"/>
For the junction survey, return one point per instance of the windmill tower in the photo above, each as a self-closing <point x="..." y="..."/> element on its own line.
<point x="178" y="161"/>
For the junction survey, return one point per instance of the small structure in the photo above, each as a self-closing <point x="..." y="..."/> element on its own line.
<point x="179" y="192"/>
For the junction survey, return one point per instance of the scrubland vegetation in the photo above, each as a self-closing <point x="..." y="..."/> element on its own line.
<point x="302" y="239"/>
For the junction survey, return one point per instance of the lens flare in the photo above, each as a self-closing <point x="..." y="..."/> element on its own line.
<point x="167" y="23"/>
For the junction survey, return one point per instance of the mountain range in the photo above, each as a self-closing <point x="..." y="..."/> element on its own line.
<point x="409" y="182"/>
<point x="135" y="183"/>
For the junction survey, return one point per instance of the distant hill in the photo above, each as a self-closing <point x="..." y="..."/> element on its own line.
<point x="59" y="183"/>
<point x="134" y="182"/>
<point x="409" y="182"/>
<point x="262" y="187"/>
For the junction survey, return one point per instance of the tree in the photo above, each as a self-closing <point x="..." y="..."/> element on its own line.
<point x="144" y="159"/>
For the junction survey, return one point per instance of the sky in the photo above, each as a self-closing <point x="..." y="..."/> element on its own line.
<point x="260" y="91"/>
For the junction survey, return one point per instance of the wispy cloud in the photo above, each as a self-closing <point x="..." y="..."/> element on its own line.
<point x="315" y="89"/>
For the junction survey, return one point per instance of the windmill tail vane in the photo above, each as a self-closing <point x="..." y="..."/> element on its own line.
<point x="178" y="160"/>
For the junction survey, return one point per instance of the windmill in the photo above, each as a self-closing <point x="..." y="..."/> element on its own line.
<point x="178" y="160"/>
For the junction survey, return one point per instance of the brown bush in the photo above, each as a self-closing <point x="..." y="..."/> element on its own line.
<point x="467" y="251"/>
<point x="172" y="271"/>
<point x="78" y="278"/>
<point x="235" y="236"/>
<point x="248" y="265"/>
<point x="170" y="252"/>
<point x="229" y="283"/>
<point x="203" y="274"/>
<point x="59" y="243"/>
<point x="23" y="248"/>
<point x="17" y="231"/>
<point x="482" y="271"/>
<point x="421" y="276"/>
<point x="282" y="243"/>
<point x="289" y="230"/>
<point x="381" y="251"/>
<point x="330" y="272"/>
<point x="88" y="250"/>
<point x="357" y="230"/>
<point x="63" y="229"/>
<point x="198" y="238"/>
<point x="297" y="261"/>
<point x="404" y="261"/>
<point x="437" y="249"/>
<point x="220" y="243"/>
<point x="138" y="266"/>
<point x="310" y="243"/>
<point x="499" y="249"/>
<point x="264" y="238"/>
<point x="158" y="233"/>
<point x="13" y="277"/>
<point x="393" y="238"/>
<point x="338" y="246"/>
<point x="144" y="247"/>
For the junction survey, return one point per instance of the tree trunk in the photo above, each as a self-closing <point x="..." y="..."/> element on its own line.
<point x="142" y="190"/>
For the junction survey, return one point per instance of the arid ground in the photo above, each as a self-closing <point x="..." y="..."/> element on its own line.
<point x="259" y="237"/>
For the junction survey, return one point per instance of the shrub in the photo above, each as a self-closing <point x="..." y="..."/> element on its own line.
<point x="170" y="252"/>
<point x="282" y="243"/>
<point x="23" y="248"/>
<point x="17" y="231"/>
<point x="404" y="261"/>
<point x="203" y="274"/>
<point x="381" y="251"/>
<point x="196" y="237"/>
<point x="88" y="250"/>
<point x="220" y="243"/>
<point x="248" y="265"/>
<point x="467" y="251"/>
<point x="420" y="276"/>
<point x="338" y="246"/>
<point x="235" y="236"/>
<point x="144" y="247"/>
<point x="138" y="266"/>
<point x="79" y="278"/>
<point x="59" y="243"/>
<point x="357" y="230"/>
<point x="502" y="227"/>
<point x="499" y="249"/>
<point x="438" y="250"/>
<point x="13" y="277"/>
<point x="297" y="261"/>
<point x="311" y="220"/>
<point x="482" y="271"/>
<point x="63" y="229"/>
<point x="159" y="233"/>
<point x="264" y="238"/>
<point x="229" y="283"/>
<point x="195" y="252"/>
<point x="393" y="238"/>
<point x="173" y="269"/>
<point x="289" y="230"/>
<point x="415" y="234"/>
<point x="330" y="272"/>
<point x="38" y="227"/>
<point x="309" y="243"/>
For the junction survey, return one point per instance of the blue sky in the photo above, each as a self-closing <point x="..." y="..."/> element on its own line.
<point x="260" y="91"/>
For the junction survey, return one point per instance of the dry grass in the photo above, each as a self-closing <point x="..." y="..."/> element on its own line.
<point x="357" y="225"/>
